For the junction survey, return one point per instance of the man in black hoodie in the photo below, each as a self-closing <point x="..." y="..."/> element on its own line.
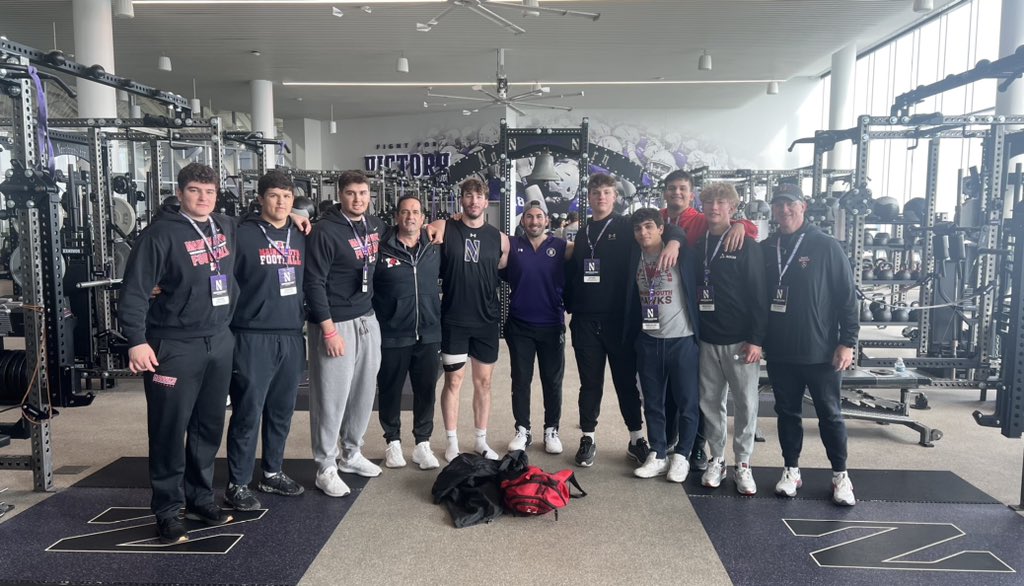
<point x="181" y="342"/>
<point x="344" y="336"/>
<point x="270" y="349"/>
<point x="812" y="329"/>
<point x="407" y="301"/>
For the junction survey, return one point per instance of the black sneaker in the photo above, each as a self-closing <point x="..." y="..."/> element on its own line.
<point x="210" y="514"/>
<point x="171" y="530"/>
<point x="585" y="455"/>
<point x="280" y="484"/>
<point x="241" y="498"/>
<point x="638" y="451"/>
<point x="699" y="459"/>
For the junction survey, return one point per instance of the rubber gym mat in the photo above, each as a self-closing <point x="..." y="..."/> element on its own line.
<point x="800" y="541"/>
<point x="106" y="536"/>
<point x="912" y="486"/>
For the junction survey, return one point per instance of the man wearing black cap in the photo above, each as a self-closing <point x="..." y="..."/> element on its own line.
<point x="812" y="328"/>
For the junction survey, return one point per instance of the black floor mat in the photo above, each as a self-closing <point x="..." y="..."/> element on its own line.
<point x="920" y="486"/>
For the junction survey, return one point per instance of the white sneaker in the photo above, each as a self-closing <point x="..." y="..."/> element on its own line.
<point x="452" y="451"/>
<point x="789" y="482"/>
<point x="552" y="444"/>
<point x="522" y="439"/>
<point x="679" y="468"/>
<point x="715" y="473"/>
<point x="393" y="457"/>
<point x="842" y="489"/>
<point x="358" y="464"/>
<point x="424" y="456"/>
<point x="332" y="484"/>
<point x="744" y="478"/>
<point x="654" y="466"/>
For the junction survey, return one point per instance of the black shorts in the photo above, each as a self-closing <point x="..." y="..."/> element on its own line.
<point x="480" y="342"/>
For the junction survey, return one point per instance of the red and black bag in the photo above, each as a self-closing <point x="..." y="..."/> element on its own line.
<point x="536" y="492"/>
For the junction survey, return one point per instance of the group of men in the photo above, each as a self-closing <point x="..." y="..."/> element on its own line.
<point x="680" y="301"/>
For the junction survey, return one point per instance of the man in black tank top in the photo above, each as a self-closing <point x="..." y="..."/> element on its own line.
<point x="472" y="253"/>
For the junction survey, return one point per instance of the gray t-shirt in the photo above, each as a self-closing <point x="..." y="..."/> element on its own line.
<point x="668" y="295"/>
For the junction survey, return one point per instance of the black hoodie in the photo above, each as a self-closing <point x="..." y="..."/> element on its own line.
<point x="406" y="296"/>
<point x="821" y="312"/>
<point x="170" y="253"/>
<point x="261" y="306"/>
<point x="334" y="266"/>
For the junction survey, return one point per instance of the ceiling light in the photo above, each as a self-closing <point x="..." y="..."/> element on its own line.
<point x="423" y="28"/>
<point x="333" y="126"/>
<point x="490" y="9"/>
<point x="197" y="107"/>
<point x="337" y="12"/>
<point x="163" y="63"/>
<point x="135" y="111"/>
<point x="773" y="88"/>
<point x="426" y="105"/>
<point x="255" y="53"/>
<point x="466" y="112"/>
<point x="704" y="63"/>
<point x="123" y="9"/>
<point x="403" y="64"/>
<point x="531" y="4"/>
<point x="924" y="5"/>
<point x="477" y="86"/>
<point x="366" y="9"/>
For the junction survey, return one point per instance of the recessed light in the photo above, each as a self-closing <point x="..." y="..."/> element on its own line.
<point x="255" y="53"/>
<point x="298" y="99"/>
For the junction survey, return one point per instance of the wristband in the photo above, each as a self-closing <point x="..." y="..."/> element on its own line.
<point x="330" y="335"/>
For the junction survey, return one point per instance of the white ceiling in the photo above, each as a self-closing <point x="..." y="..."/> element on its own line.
<point x="634" y="40"/>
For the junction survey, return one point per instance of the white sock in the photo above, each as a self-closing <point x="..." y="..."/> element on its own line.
<point x="589" y="434"/>
<point x="481" y="441"/>
<point x="635" y="435"/>
<point x="270" y="474"/>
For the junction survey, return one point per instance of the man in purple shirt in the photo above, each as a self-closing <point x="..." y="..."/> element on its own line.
<point x="536" y="324"/>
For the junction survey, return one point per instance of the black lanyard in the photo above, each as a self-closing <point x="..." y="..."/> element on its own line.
<point x="206" y="241"/>
<point x="287" y="243"/>
<point x="707" y="261"/>
<point x="593" y="245"/>
<point x="778" y="255"/>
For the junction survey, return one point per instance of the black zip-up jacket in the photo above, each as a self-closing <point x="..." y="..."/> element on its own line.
<point x="737" y="279"/>
<point x="334" y="267"/>
<point x="633" y="320"/>
<point x="261" y="307"/>
<point x="821" y="312"/>
<point x="170" y="253"/>
<point x="604" y="300"/>
<point x="407" y="298"/>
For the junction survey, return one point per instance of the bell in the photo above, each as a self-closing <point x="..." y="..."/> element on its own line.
<point x="544" y="168"/>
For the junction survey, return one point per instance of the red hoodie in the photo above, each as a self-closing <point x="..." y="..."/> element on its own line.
<point x="696" y="225"/>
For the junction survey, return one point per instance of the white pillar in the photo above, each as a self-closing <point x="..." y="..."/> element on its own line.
<point x="1011" y="36"/>
<point x="94" y="45"/>
<point x="263" y="115"/>
<point x="840" y="113"/>
<point x="313" y="143"/>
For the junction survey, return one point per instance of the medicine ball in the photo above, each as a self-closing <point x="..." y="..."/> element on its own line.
<point x="886" y="208"/>
<point x="171" y="200"/>
<point x="304" y="206"/>
<point x="914" y="210"/>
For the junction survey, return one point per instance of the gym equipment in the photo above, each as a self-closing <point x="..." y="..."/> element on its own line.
<point x="857" y="201"/>
<point x="895" y="242"/>
<point x="304" y="205"/>
<point x="900" y="313"/>
<point x="903" y="275"/>
<point x="915" y="209"/>
<point x="122" y="216"/>
<point x="120" y="251"/>
<point x="170" y="200"/>
<point x="882" y="314"/>
<point x="886" y="208"/>
<point x="881" y="239"/>
<point x="883" y="270"/>
<point x="914" y="314"/>
<point x="865" y="311"/>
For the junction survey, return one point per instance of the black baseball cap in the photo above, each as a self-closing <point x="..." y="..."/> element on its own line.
<point x="787" y="192"/>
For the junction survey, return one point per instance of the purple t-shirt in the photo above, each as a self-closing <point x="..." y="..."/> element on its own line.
<point x="537" y="280"/>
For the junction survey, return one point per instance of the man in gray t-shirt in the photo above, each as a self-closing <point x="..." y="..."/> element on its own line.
<point x="666" y="348"/>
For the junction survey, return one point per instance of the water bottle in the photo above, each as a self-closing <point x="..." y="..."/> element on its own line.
<point x="900" y="367"/>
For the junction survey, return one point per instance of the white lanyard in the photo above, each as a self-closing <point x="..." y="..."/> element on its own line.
<point x="778" y="255"/>
<point x="593" y="245"/>
<point x="287" y="243"/>
<point x="206" y="241"/>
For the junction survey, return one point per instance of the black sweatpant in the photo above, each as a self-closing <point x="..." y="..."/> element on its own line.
<point x="672" y="426"/>
<point x="788" y="383"/>
<point x="422" y="363"/>
<point x="547" y="345"/>
<point x="185" y="403"/>
<point x="593" y="341"/>
<point x="264" y="382"/>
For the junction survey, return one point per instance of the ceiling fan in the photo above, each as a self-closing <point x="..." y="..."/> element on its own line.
<point x="484" y="9"/>
<point x="500" y="96"/>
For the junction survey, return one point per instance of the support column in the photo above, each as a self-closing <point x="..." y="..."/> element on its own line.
<point x="263" y="116"/>
<point x="1011" y="36"/>
<point x="94" y="45"/>
<point x="840" y="113"/>
<point x="313" y="143"/>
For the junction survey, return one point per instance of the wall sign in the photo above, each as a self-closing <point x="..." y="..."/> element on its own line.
<point x="415" y="164"/>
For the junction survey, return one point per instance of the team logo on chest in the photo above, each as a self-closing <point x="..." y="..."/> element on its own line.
<point x="804" y="261"/>
<point x="550" y="252"/>
<point x="472" y="250"/>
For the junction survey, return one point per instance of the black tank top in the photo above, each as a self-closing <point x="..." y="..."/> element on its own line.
<point x="469" y="274"/>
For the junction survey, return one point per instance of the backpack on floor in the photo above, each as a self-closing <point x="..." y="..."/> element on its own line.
<point x="536" y="492"/>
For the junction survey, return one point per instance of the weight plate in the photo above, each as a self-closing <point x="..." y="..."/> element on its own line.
<point x="4" y="361"/>
<point x="10" y="370"/>
<point x="122" y="214"/>
<point x="120" y="251"/>
<point x="21" y="372"/>
<point x="14" y="263"/>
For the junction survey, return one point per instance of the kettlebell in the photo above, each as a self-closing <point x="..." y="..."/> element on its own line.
<point x="883" y="314"/>
<point x="881" y="239"/>
<point x="867" y="275"/>
<point x="914" y="314"/>
<point x="877" y="303"/>
<point x="883" y="271"/>
<point x="895" y="242"/>
<point x="865" y="312"/>
<point x="904" y="275"/>
<point x="900" y="313"/>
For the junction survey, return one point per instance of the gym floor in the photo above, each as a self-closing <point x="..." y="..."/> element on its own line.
<point x="626" y="530"/>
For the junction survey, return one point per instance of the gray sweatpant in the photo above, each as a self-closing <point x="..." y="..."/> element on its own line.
<point x="720" y="373"/>
<point x="341" y="389"/>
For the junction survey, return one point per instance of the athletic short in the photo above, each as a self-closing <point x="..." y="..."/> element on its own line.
<point x="480" y="342"/>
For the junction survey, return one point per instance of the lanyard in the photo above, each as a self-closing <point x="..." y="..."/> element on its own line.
<point x="707" y="261"/>
<point x="778" y="255"/>
<point x="206" y="241"/>
<point x="287" y="243"/>
<point x="648" y="279"/>
<point x="593" y="245"/>
<point x="364" y="245"/>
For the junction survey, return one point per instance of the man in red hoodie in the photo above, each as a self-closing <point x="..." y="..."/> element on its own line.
<point x="679" y="211"/>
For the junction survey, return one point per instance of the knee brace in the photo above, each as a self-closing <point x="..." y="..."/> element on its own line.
<point x="453" y="362"/>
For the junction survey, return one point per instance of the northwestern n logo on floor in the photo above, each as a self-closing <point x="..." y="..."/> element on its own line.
<point x="135" y="532"/>
<point x="890" y="542"/>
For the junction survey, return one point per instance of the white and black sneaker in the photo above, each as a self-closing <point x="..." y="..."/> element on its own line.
<point x="241" y="498"/>
<point x="280" y="484"/>
<point x="522" y="440"/>
<point x="638" y="451"/>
